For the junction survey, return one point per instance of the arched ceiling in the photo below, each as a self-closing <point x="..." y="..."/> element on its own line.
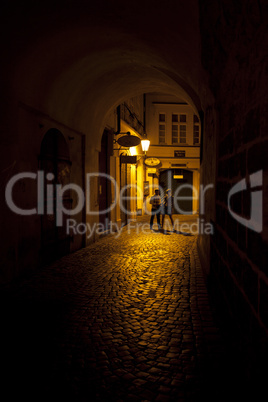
<point x="77" y="64"/>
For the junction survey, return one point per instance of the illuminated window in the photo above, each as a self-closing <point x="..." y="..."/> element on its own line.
<point x="175" y="134"/>
<point x="196" y="130"/>
<point x="182" y="128"/>
<point x="162" y="128"/>
<point x="183" y="133"/>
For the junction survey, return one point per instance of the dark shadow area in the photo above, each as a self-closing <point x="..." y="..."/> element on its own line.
<point x="242" y="385"/>
<point x="165" y="232"/>
<point x="32" y="360"/>
<point x="183" y="233"/>
<point x="169" y="232"/>
<point x="156" y="230"/>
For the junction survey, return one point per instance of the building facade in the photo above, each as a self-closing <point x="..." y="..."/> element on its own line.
<point x="174" y="131"/>
<point x="172" y="160"/>
<point x="124" y="164"/>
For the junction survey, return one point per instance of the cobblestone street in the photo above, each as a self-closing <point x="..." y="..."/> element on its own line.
<point x="125" y="319"/>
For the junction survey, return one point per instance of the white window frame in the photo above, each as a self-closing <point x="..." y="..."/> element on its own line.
<point x="196" y="128"/>
<point x="183" y="130"/>
<point x="162" y="129"/>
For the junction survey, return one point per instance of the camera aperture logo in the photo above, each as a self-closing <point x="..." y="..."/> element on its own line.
<point x="255" y="221"/>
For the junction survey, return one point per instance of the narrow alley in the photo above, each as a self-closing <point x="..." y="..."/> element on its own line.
<point x="111" y="111"/>
<point x="125" y="319"/>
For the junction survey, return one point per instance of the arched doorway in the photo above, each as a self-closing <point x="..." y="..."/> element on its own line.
<point x="180" y="181"/>
<point x="55" y="163"/>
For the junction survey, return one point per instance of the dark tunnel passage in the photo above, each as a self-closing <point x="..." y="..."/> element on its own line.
<point x="126" y="312"/>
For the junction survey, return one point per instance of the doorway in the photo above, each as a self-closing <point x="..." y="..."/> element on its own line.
<point x="180" y="181"/>
<point x="55" y="162"/>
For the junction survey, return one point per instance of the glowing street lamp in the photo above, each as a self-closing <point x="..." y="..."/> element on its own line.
<point x="133" y="151"/>
<point x="145" y="145"/>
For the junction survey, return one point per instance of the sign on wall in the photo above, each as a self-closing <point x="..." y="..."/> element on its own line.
<point x="179" y="154"/>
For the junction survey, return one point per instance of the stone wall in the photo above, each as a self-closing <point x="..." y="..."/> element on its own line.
<point x="234" y="52"/>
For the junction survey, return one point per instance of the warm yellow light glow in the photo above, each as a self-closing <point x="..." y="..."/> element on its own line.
<point x="145" y="145"/>
<point x="133" y="151"/>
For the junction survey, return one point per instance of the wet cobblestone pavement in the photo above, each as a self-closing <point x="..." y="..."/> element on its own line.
<point x="125" y="319"/>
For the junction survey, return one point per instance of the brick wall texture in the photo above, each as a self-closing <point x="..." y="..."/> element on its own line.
<point x="234" y="52"/>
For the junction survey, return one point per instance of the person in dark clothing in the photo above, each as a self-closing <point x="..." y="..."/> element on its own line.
<point x="156" y="209"/>
<point x="168" y="207"/>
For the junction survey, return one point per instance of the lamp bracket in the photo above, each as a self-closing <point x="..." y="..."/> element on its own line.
<point x="117" y="133"/>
